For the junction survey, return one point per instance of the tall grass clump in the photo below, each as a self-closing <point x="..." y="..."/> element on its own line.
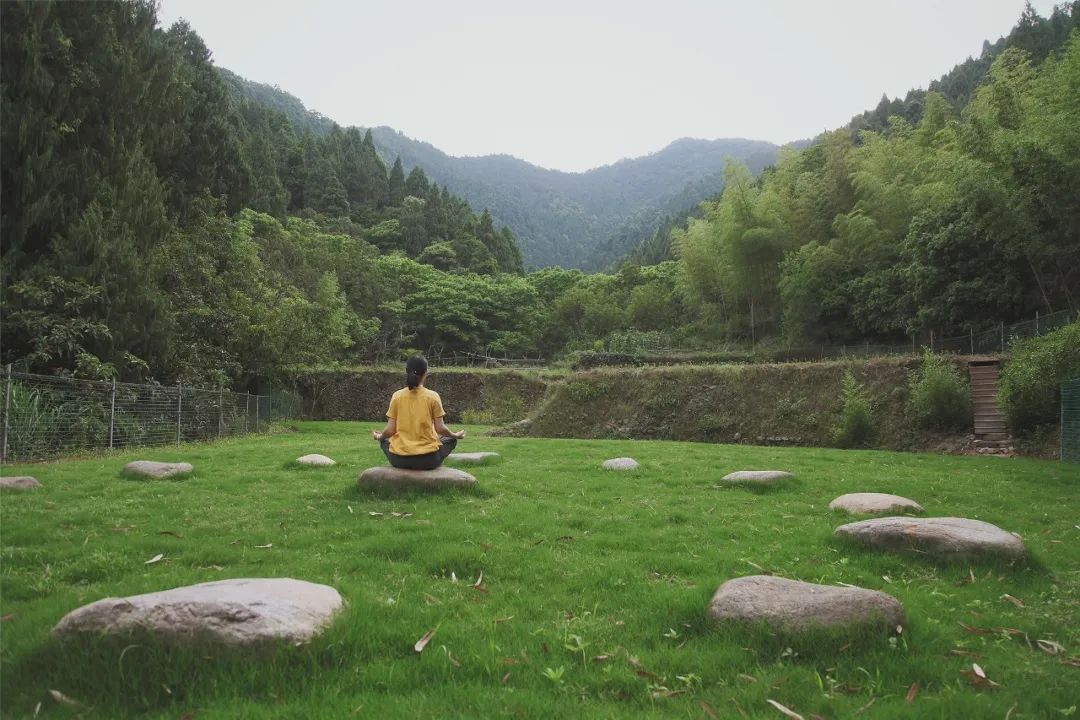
<point x="940" y="395"/>
<point x="856" y="428"/>
<point x="1030" y="383"/>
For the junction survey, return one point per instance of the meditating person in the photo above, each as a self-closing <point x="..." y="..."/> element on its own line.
<point x="415" y="437"/>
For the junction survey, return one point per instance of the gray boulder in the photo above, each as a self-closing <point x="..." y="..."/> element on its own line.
<point x="875" y="503"/>
<point x="385" y="476"/>
<point x="621" y="463"/>
<point x="22" y="482"/>
<point x="793" y="606"/>
<point x="760" y="478"/>
<point x="947" y="538"/>
<point x="232" y="612"/>
<point x="473" y="458"/>
<point x="315" y="460"/>
<point x="157" y="470"/>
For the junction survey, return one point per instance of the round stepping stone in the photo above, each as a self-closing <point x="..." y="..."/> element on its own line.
<point x="793" y="606"/>
<point x="473" y="458"/>
<point x="761" y="478"/>
<point x="234" y="612"/>
<point x="22" y="482"/>
<point x="621" y="463"/>
<point x="315" y="460"/>
<point x="947" y="538"/>
<point x="157" y="470"/>
<point x="875" y="503"/>
<point x="385" y="476"/>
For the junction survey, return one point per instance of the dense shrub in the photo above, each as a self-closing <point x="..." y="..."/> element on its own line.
<point x="1031" y="380"/>
<point x="940" y="395"/>
<point x="856" y="428"/>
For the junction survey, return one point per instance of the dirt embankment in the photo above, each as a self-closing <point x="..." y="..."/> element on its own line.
<point x="487" y="397"/>
<point x="780" y="404"/>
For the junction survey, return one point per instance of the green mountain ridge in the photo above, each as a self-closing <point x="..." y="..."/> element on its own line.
<point x="589" y="220"/>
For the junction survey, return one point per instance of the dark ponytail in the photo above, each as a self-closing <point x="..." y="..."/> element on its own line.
<point x="415" y="369"/>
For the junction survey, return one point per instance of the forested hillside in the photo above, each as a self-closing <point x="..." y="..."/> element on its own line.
<point x="589" y="220"/>
<point x="159" y="224"/>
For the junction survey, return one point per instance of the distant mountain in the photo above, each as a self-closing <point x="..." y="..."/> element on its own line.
<point x="588" y="220"/>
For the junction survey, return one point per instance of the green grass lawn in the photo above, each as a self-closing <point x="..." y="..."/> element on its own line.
<point x="595" y="584"/>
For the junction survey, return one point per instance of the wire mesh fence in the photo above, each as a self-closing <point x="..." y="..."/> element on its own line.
<point x="1070" y="421"/>
<point x="45" y="416"/>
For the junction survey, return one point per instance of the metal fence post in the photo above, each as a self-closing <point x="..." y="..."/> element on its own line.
<point x="220" y="412"/>
<point x="7" y="410"/>
<point x="931" y="341"/>
<point x="1036" y="322"/>
<point x="112" y="413"/>
<point x="257" y="403"/>
<point x="971" y="337"/>
<point x="1002" y="337"/>
<point x="247" y="410"/>
<point x="179" y="408"/>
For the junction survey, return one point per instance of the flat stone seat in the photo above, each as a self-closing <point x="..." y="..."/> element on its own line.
<point x="441" y="477"/>
<point x="315" y="460"/>
<point x="237" y="612"/>
<point x="855" y="503"/>
<point x="21" y="482"/>
<point x="761" y="478"/>
<point x="157" y="470"/>
<point x="620" y="463"/>
<point x="473" y="458"/>
<point x="794" y="606"/>
<point x="947" y="538"/>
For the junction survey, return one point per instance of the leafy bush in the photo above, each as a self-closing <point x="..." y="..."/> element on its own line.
<point x="1031" y="380"/>
<point x="856" y="428"/>
<point x="940" y="395"/>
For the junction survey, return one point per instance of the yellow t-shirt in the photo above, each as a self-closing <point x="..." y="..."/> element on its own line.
<point x="415" y="412"/>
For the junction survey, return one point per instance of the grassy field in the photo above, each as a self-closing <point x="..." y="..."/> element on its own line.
<point x="594" y="593"/>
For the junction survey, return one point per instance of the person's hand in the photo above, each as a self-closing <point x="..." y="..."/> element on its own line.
<point x="459" y="434"/>
<point x="376" y="434"/>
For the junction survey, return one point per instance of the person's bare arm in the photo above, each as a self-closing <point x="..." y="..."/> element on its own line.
<point x="443" y="431"/>
<point x="387" y="432"/>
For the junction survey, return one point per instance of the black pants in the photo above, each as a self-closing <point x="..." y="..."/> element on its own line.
<point x="427" y="461"/>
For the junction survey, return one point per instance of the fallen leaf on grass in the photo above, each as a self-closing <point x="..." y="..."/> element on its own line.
<point x="1050" y="647"/>
<point x="866" y="706"/>
<point x="912" y="692"/>
<point x="742" y="713"/>
<point x="372" y="513"/>
<point x="432" y="600"/>
<point x="169" y="532"/>
<point x="151" y="561"/>
<point x="566" y="537"/>
<point x="1071" y="661"/>
<point x="350" y="509"/>
<point x="708" y="710"/>
<point x="486" y="546"/>
<point x="508" y="618"/>
<point x="639" y="668"/>
<point x="506" y="678"/>
<point x="453" y="576"/>
<point x="663" y="692"/>
<point x="601" y="658"/>
<point x="422" y="642"/>
<point x="450" y="656"/>
<point x="7" y="617"/>
<point x="1014" y="600"/>
<point x="479" y="580"/>
<point x="977" y="677"/>
<point x="786" y="710"/>
<point x="37" y="708"/>
<point x="64" y="699"/>
<point x="965" y="653"/>
<point x="746" y="678"/>
<point x="263" y="547"/>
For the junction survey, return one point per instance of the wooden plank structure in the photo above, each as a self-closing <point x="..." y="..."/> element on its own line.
<point x="989" y="420"/>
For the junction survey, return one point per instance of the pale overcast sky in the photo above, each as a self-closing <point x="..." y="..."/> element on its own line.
<point x="581" y="83"/>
